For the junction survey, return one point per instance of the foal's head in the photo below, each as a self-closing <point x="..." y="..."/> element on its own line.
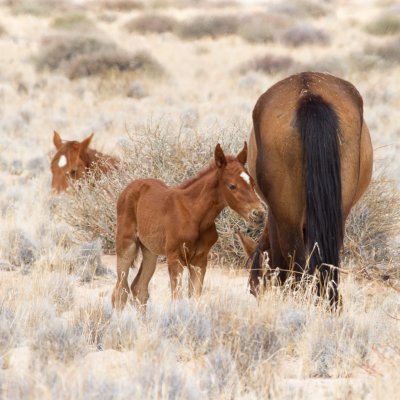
<point x="237" y="186"/>
<point x="70" y="161"/>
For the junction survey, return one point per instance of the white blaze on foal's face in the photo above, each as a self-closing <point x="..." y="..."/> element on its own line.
<point x="62" y="162"/>
<point x="245" y="177"/>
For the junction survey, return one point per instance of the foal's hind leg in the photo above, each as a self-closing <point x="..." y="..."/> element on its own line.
<point x="140" y="285"/>
<point x="125" y="257"/>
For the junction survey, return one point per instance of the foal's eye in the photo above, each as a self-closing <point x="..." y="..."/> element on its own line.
<point x="231" y="186"/>
<point x="73" y="173"/>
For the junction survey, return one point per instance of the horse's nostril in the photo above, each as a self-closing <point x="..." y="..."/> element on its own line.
<point x="257" y="215"/>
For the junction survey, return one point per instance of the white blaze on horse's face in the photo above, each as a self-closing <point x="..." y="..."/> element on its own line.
<point x="62" y="162"/>
<point x="245" y="177"/>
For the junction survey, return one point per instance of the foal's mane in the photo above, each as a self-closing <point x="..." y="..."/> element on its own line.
<point x="205" y="171"/>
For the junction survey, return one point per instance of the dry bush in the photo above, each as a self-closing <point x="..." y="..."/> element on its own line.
<point x="208" y="25"/>
<point x="304" y="35"/>
<point x="113" y="61"/>
<point x="74" y="22"/>
<point x="384" y="25"/>
<point x="373" y="229"/>
<point x="270" y="64"/>
<point x="152" y="23"/>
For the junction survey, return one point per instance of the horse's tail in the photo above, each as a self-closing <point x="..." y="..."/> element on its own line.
<point x="319" y="129"/>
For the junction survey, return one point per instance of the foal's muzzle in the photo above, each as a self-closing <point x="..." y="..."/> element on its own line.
<point x="257" y="215"/>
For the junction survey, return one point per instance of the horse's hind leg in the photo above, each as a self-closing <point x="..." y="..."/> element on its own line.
<point x="291" y="259"/>
<point x="140" y="285"/>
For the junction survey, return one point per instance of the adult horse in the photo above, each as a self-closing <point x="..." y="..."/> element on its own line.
<point x="178" y="222"/>
<point x="73" y="159"/>
<point x="311" y="154"/>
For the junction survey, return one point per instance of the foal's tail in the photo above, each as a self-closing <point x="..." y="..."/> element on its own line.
<point x="319" y="128"/>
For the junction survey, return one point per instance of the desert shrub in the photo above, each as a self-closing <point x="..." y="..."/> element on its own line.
<point x="73" y="22"/>
<point x="80" y="56"/>
<point x="302" y="8"/>
<point x="121" y="5"/>
<point x="152" y="23"/>
<point x="384" y="25"/>
<point x="371" y="230"/>
<point x="269" y="63"/>
<point x="389" y="52"/>
<point x="113" y="61"/>
<point x="208" y="25"/>
<point x="59" y="51"/>
<point x="256" y="28"/>
<point x="304" y="35"/>
<point x="39" y="8"/>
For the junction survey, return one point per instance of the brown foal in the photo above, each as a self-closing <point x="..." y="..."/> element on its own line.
<point x="179" y="223"/>
<point x="73" y="159"/>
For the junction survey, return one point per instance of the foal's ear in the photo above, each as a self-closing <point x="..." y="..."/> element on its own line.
<point x="220" y="160"/>
<point x="242" y="156"/>
<point x="85" y="143"/>
<point x="57" y="140"/>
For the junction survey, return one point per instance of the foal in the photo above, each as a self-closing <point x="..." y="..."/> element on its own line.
<point x="178" y="222"/>
<point x="73" y="159"/>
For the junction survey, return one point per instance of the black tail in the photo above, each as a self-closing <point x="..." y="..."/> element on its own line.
<point x="319" y="128"/>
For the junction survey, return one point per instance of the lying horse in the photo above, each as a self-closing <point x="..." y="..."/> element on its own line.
<point x="179" y="223"/>
<point x="311" y="154"/>
<point x="73" y="159"/>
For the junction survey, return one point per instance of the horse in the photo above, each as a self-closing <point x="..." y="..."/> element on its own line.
<point x="179" y="223"/>
<point x="73" y="159"/>
<point x="311" y="155"/>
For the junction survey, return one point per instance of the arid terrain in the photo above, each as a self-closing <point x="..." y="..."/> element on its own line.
<point x="160" y="83"/>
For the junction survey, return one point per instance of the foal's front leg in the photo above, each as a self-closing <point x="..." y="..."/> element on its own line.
<point x="198" y="265"/>
<point x="175" y="269"/>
